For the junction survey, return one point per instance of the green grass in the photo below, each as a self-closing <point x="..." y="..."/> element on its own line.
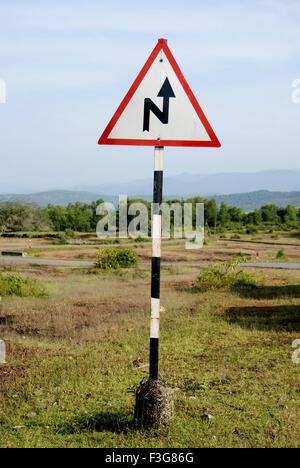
<point x="217" y="349"/>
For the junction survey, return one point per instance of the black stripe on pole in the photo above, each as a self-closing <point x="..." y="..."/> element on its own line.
<point x="153" y="373"/>
<point x="157" y="188"/>
<point x="155" y="279"/>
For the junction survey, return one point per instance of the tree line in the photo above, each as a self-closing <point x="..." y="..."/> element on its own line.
<point x="20" y="216"/>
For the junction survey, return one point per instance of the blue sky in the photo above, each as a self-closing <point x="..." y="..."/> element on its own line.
<point x="67" y="66"/>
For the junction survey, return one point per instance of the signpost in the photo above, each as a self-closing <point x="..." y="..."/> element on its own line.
<point x="159" y="110"/>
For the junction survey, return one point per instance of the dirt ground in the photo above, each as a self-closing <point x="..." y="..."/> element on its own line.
<point x="216" y="249"/>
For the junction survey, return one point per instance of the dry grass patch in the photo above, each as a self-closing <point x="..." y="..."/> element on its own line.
<point x="93" y="330"/>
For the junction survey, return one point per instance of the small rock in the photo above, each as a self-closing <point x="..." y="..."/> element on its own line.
<point x="138" y="362"/>
<point x="16" y="428"/>
<point x="207" y="417"/>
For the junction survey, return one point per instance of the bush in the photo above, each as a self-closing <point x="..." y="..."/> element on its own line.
<point x="140" y="239"/>
<point x="70" y="234"/>
<point x="62" y="239"/>
<point x="113" y="258"/>
<point x="280" y="254"/>
<point x="235" y="236"/>
<point x="224" y="276"/>
<point x="251" y="230"/>
<point x="13" y="284"/>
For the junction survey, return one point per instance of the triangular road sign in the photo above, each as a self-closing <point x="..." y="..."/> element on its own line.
<point x="160" y="109"/>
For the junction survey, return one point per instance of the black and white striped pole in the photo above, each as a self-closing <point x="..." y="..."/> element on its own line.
<point x="156" y="254"/>
<point x="154" y="398"/>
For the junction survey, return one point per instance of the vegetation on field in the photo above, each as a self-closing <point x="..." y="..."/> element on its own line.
<point x="114" y="258"/>
<point x="14" y="284"/>
<point x="82" y="217"/>
<point x="280" y="254"/>
<point x="224" y="276"/>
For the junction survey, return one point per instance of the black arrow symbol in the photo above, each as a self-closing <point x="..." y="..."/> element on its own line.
<point x="165" y="92"/>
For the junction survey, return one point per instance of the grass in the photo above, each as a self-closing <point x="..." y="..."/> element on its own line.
<point x="71" y="358"/>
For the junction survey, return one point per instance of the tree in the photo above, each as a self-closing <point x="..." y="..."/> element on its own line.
<point x="224" y="216"/>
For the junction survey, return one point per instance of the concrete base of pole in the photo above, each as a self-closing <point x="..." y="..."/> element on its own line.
<point x="154" y="407"/>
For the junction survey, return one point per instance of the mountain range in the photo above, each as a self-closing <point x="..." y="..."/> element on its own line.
<point x="209" y="184"/>
<point x="245" y="190"/>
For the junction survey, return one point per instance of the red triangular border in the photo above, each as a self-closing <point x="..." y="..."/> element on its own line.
<point x="161" y="45"/>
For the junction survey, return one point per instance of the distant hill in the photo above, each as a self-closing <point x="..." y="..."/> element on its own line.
<point x="251" y="200"/>
<point x="193" y="184"/>
<point x="247" y="201"/>
<point x="57" y="197"/>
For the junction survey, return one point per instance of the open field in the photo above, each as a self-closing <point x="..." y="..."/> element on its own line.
<point x="216" y="248"/>
<point x="75" y="357"/>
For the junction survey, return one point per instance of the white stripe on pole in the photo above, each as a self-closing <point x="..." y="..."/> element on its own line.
<point x="156" y="248"/>
<point x="154" y="325"/>
<point x="156" y="236"/>
<point x="159" y="158"/>
<point x="156" y="233"/>
<point x="154" y="328"/>
<point x="155" y="305"/>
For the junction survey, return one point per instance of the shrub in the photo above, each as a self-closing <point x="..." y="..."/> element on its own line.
<point x="280" y="254"/>
<point x="113" y="258"/>
<point x="70" y="234"/>
<point x="251" y="230"/>
<point x="62" y="239"/>
<point x="224" y="276"/>
<point x="140" y="239"/>
<point x="235" y="236"/>
<point x="13" y="284"/>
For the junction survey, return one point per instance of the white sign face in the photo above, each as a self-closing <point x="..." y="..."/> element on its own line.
<point x="160" y="109"/>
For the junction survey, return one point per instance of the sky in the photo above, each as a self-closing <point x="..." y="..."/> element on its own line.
<point x="68" y="65"/>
